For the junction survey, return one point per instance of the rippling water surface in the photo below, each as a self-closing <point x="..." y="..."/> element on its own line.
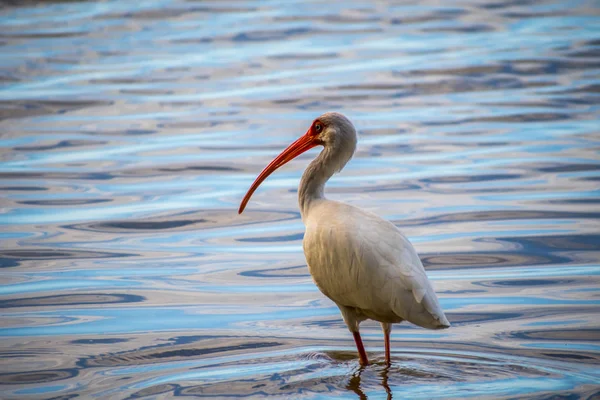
<point x="131" y="130"/>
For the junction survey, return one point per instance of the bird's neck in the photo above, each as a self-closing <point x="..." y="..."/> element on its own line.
<point x="312" y="184"/>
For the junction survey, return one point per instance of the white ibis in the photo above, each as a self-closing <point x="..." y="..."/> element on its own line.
<point x="357" y="259"/>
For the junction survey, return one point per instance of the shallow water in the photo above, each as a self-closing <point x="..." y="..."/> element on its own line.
<point x="131" y="131"/>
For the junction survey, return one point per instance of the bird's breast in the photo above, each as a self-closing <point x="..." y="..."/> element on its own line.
<point x="329" y="264"/>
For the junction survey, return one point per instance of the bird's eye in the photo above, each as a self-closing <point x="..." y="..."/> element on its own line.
<point x="318" y="128"/>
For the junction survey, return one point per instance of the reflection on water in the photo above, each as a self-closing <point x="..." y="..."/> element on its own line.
<point x="130" y="132"/>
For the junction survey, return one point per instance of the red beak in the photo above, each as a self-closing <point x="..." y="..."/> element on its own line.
<point x="305" y="143"/>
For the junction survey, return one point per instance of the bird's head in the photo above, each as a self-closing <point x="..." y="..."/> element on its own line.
<point x="338" y="136"/>
<point x="331" y="130"/>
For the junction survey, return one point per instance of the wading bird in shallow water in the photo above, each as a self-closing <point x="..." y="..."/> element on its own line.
<point x="357" y="259"/>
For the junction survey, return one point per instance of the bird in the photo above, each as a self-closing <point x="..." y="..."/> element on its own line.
<point x="360" y="261"/>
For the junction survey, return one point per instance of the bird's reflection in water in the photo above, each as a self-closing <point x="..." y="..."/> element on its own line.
<point x="354" y="385"/>
<point x="355" y="381"/>
<point x="384" y="381"/>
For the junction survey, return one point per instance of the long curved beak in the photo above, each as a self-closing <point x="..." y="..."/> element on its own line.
<point x="305" y="143"/>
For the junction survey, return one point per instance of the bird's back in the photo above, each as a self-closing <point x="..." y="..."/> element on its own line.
<point x="363" y="262"/>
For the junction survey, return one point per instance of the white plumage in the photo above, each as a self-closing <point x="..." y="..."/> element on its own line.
<point x="357" y="259"/>
<point x="363" y="262"/>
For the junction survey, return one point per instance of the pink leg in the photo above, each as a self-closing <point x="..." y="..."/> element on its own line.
<point x="387" y="329"/>
<point x="388" y="358"/>
<point x="364" y="361"/>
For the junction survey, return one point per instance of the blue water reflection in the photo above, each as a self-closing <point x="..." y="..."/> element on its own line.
<point x="129" y="132"/>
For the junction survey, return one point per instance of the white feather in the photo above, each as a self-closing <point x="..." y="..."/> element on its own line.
<point x="368" y="267"/>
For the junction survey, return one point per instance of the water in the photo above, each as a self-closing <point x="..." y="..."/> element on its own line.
<point x="131" y="131"/>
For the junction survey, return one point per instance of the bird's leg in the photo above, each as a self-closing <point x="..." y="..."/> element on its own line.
<point x="353" y="318"/>
<point x="364" y="361"/>
<point x="387" y="329"/>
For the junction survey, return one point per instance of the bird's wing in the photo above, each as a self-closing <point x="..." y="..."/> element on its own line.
<point x="360" y="260"/>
